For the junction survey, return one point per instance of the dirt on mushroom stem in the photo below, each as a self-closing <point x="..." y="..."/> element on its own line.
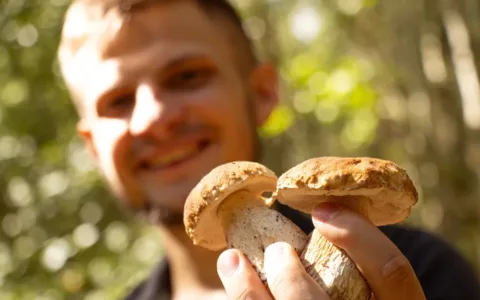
<point x="333" y="269"/>
<point x="251" y="226"/>
<point x="327" y="264"/>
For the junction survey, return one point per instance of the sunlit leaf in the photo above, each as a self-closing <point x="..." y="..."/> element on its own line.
<point x="304" y="102"/>
<point x="360" y="130"/>
<point x="316" y="83"/>
<point x="369" y="3"/>
<point x="280" y="120"/>
<point x="362" y="96"/>
<point x="340" y="83"/>
<point x="327" y="111"/>
<point x="302" y="67"/>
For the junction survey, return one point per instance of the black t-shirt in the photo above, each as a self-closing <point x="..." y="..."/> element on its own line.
<point x="443" y="273"/>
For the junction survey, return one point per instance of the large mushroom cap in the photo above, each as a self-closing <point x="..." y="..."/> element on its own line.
<point x="379" y="189"/>
<point x="202" y="221"/>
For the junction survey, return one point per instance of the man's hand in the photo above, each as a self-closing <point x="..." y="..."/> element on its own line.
<point x="386" y="269"/>
<point x="286" y="277"/>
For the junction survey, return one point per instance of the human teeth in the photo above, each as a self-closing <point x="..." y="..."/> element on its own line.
<point x="173" y="157"/>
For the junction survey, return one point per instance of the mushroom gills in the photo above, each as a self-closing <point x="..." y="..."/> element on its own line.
<point x="251" y="227"/>
<point x="333" y="269"/>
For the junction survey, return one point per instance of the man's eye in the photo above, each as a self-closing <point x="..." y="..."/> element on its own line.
<point x="189" y="79"/>
<point x="118" y="105"/>
<point x="189" y="75"/>
<point x="121" y="101"/>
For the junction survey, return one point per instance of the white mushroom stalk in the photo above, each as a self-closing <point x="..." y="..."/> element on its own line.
<point x="251" y="227"/>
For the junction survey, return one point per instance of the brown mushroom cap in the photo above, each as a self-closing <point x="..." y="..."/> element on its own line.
<point x="201" y="218"/>
<point x="378" y="189"/>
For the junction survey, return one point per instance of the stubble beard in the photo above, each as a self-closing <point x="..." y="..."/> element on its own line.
<point x="158" y="214"/>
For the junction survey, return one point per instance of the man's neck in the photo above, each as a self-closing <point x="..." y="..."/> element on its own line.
<point x="193" y="269"/>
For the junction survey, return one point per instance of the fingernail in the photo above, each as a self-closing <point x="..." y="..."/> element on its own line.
<point x="228" y="263"/>
<point x="276" y="250"/>
<point x="275" y="254"/>
<point x="325" y="212"/>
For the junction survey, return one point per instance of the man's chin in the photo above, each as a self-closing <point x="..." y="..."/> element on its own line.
<point x="165" y="219"/>
<point x="160" y="215"/>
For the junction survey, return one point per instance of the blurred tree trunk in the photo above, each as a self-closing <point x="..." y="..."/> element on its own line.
<point x="421" y="44"/>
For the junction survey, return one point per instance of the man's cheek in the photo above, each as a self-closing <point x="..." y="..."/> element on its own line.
<point x="111" y="147"/>
<point x="113" y="135"/>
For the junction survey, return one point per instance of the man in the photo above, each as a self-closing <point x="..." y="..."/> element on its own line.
<point x="166" y="91"/>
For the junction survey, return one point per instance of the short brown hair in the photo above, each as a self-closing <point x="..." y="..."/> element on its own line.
<point x="96" y="11"/>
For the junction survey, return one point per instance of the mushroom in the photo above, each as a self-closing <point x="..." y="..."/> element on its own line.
<point x="378" y="189"/>
<point x="227" y="209"/>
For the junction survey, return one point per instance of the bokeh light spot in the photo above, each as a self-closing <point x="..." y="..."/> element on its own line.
<point x="55" y="254"/>
<point x="117" y="237"/>
<point x="145" y="250"/>
<point x="85" y="235"/>
<point x="304" y="102"/>
<point x="53" y="184"/>
<point x="27" y="36"/>
<point x="14" y="92"/>
<point x="100" y="271"/>
<point x="305" y="24"/>
<point x="11" y="225"/>
<point x="327" y="111"/>
<point x="91" y="212"/>
<point x="20" y="192"/>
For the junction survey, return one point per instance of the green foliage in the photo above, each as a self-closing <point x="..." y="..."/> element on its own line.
<point x="62" y="236"/>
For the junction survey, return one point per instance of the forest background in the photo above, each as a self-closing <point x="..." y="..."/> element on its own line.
<point x="397" y="80"/>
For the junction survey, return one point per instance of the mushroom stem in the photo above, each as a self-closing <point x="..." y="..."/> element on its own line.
<point x="333" y="269"/>
<point x="251" y="226"/>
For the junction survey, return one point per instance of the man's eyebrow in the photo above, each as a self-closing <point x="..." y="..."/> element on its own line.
<point x="136" y="65"/>
<point x="183" y="59"/>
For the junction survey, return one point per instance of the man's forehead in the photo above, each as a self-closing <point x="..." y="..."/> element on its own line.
<point x="169" y="24"/>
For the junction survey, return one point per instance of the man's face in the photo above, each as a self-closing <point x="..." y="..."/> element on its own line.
<point x="165" y="102"/>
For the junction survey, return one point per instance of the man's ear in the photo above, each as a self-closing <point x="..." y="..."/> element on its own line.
<point x="264" y="84"/>
<point x="83" y="129"/>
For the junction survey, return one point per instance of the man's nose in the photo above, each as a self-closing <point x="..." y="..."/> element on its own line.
<point x="153" y="115"/>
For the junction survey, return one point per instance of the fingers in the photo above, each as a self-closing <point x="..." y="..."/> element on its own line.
<point x="287" y="277"/>
<point x="387" y="270"/>
<point x="240" y="280"/>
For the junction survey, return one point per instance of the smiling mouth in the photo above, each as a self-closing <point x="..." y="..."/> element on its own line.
<point x="175" y="157"/>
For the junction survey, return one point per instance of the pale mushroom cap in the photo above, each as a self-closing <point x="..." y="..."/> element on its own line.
<point x="379" y="189"/>
<point x="201" y="219"/>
